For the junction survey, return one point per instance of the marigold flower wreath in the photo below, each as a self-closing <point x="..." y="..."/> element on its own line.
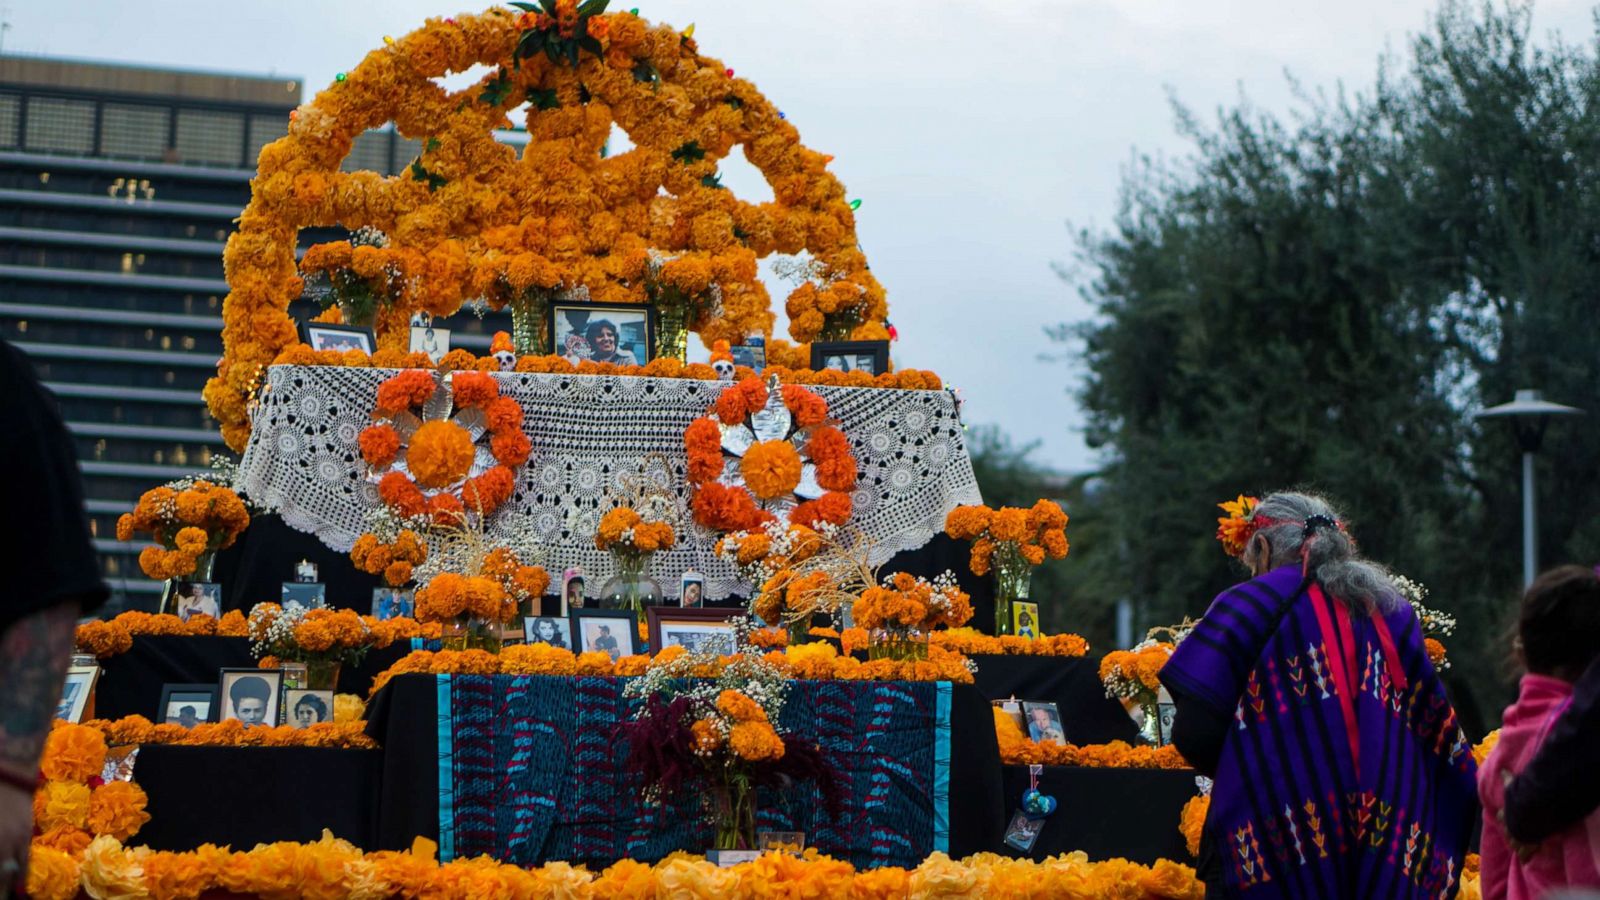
<point x="471" y="219"/>
<point x="786" y="457"/>
<point x="427" y="446"/>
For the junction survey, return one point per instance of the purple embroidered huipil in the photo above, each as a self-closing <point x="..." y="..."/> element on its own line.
<point x="1344" y="773"/>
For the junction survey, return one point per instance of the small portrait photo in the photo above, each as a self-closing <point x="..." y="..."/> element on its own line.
<point x="692" y="591"/>
<point x="1023" y="832"/>
<point x="871" y="357"/>
<point x="311" y="595"/>
<point x="304" y="708"/>
<point x="1025" y="618"/>
<point x="198" y="598"/>
<point x="430" y="339"/>
<point x="752" y="355"/>
<point x="337" y="337"/>
<point x="547" y="630"/>
<point x="250" y="695"/>
<point x="609" y="631"/>
<point x="393" y="603"/>
<point x="620" y="334"/>
<point x="1044" y="722"/>
<point x="187" y="704"/>
<point x="1012" y="708"/>
<point x="571" y="589"/>
<point x="75" y="693"/>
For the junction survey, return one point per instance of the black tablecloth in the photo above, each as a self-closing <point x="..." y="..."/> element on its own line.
<point x="1106" y="813"/>
<point x="131" y="682"/>
<point x="1071" y="683"/>
<point x="254" y="569"/>
<point x="403" y="717"/>
<point x="242" y="796"/>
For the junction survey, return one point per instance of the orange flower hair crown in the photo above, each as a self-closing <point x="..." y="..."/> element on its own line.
<point x="1235" y="529"/>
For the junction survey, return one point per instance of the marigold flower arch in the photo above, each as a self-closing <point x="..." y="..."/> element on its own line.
<point x="471" y="211"/>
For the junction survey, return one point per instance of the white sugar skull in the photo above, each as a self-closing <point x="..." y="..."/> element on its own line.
<point x="507" y="360"/>
<point x="724" y="368"/>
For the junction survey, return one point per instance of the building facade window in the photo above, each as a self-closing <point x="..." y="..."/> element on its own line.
<point x="10" y="111"/>
<point x="59" y="126"/>
<point x="134" y="132"/>
<point x="214" y="138"/>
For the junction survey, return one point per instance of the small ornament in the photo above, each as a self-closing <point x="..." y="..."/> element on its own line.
<point x="294" y="114"/>
<point x="1035" y="803"/>
<point x="729" y="73"/>
<point x="340" y="77"/>
<point x="855" y="204"/>
<point x="503" y="352"/>
<point x="388" y="40"/>
<point x="689" y="32"/>
<point x="634" y="11"/>
<point x="781" y="115"/>
<point x="894" y="333"/>
<point x="722" y="360"/>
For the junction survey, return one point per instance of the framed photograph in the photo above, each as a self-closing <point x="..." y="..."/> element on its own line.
<point x="871" y="357"/>
<point x="752" y="355"/>
<point x="393" y="603"/>
<point x="1023" y="832"/>
<point x="623" y="334"/>
<point x="552" y="630"/>
<point x="571" y="590"/>
<point x="76" y="692"/>
<point x="304" y="708"/>
<point x="250" y="695"/>
<point x="187" y="704"/>
<point x="1044" y="722"/>
<point x="703" y="630"/>
<point x="1025" y="619"/>
<point x="692" y="590"/>
<point x="198" y="598"/>
<point x="311" y="595"/>
<point x="430" y="339"/>
<point x="336" y="337"/>
<point x="610" y="631"/>
<point x="1012" y="707"/>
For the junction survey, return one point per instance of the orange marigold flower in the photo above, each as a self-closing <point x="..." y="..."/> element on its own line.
<point x="739" y="707"/>
<point x="806" y="406"/>
<point x="755" y="741"/>
<point x="703" y="439"/>
<point x="833" y="507"/>
<point x="771" y="469"/>
<point x="704" y="736"/>
<point x="379" y="445"/>
<point x="440" y="454"/>
<point x="473" y="388"/>
<point x="836" y="467"/>
<point x="403" y="391"/>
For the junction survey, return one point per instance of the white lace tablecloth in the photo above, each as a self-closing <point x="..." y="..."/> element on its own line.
<point x="592" y="436"/>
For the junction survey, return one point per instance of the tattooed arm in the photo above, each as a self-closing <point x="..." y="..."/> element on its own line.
<point x="34" y="653"/>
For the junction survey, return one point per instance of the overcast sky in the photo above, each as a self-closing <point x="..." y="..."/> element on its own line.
<point x="975" y="133"/>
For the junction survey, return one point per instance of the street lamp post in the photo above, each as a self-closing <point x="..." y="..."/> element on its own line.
<point x="1529" y="416"/>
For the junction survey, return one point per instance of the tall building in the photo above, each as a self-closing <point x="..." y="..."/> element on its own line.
<point x="118" y="188"/>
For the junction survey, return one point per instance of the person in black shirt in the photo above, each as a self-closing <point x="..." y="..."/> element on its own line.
<point x="1562" y="784"/>
<point x="52" y="577"/>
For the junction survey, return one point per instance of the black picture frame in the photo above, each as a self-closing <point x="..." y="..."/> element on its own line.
<point x="164" y="710"/>
<point x="622" y="626"/>
<point x="591" y="311"/>
<point x="315" y="333"/>
<point x="274" y="709"/>
<point x="878" y="350"/>
<point x="661" y="618"/>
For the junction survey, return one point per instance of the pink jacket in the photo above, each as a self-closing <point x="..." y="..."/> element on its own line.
<point x="1569" y="859"/>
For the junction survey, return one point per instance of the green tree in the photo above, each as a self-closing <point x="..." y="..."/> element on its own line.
<point x="1322" y="302"/>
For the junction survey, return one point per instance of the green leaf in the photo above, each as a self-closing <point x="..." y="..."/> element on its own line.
<point x="549" y="7"/>
<point x="432" y="145"/>
<point x="543" y="98"/>
<point x="592" y="7"/>
<point x="553" y="50"/>
<point x="572" y="53"/>
<point x="712" y="181"/>
<point x="733" y="101"/>
<point x="590" y="44"/>
<point x="689" y="152"/>
<point x="525" y="7"/>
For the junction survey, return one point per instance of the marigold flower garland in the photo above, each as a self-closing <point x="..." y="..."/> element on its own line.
<point x="130" y="730"/>
<point x="111" y="637"/>
<point x="1017" y="750"/>
<point x="974" y="643"/>
<point x="440" y="454"/>
<point x="74" y="804"/>
<point x="188" y="519"/>
<point x="470" y="213"/>
<point x="773" y="468"/>
<point x="394" y="560"/>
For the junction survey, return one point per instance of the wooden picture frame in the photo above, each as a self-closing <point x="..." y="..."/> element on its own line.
<point x="565" y="318"/>
<point x="77" y="693"/>
<point x="852" y="354"/>
<point x="620" y="626"/>
<point x="324" y="336"/>
<point x="668" y="623"/>
<point x="181" y="695"/>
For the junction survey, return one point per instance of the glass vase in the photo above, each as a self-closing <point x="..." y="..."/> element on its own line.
<point x="733" y="811"/>
<point x="322" y="674"/>
<point x="527" y="323"/>
<point x="471" y="633"/>
<point x="203" y="565"/>
<point x="632" y="587"/>
<point x="898" y="645"/>
<point x="673" y="335"/>
<point x="1011" y="584"/>
<point x="800" y="631"/>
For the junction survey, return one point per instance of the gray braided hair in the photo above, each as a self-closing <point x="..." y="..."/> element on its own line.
<point x="1303" y="530"/>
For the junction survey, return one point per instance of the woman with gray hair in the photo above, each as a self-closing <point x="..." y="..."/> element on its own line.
<point x="1305" y="692"/>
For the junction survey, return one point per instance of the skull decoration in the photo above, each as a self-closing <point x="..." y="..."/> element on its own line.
<point x="503" y="352"/>
<point x="722" y="360"/>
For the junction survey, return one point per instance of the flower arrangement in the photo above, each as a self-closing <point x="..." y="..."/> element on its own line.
<point x="190" y="520"/>
<point x="623" y="531"/>
<point x="973" y="643"/>
<point x="1010" y="541"/>
<point x="1133" y="676"/>
<point x="1235" y="529"/>
<point x="74" y="804"/>
<point x="463" y="214"/>
<point x="900" y="614"/>
<point x="323" y="639"/>
<point x="356" y="277"/>
<point x="719" y="734"/>
<point x="344" y="734"/>
<point x="768" y="450"/>
<point x="111" y="637"/>
<point x="1017" y="750"/>
<point x="798" y="571"/>
<point x="396" y="560"/>
<point x="1435" y="624"/>
<point x="821" y="662"/>
<point x="429" y="464"/>
<point x="334" y="868"/>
